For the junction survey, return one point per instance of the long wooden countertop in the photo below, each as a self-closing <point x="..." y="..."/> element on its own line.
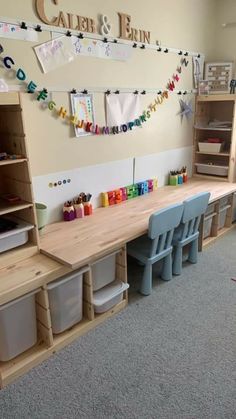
<point x="81" y="241"/>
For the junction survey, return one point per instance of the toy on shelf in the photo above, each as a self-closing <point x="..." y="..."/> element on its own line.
<point x="178" y="177"/>
<point x="5" y="156"/>
<point x="128" y="192"/>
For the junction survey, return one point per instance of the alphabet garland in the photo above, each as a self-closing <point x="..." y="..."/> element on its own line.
<point x="88" y="126"/>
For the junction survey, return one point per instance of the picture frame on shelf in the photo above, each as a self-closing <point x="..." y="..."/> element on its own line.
<point x="203" y="87"/>
<point x="219" y="75"/>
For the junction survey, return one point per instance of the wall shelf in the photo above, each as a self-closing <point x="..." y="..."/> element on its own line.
<point x="13" y="161"/>
<point x="7" y="209"/>
<point x="213" y="154"/>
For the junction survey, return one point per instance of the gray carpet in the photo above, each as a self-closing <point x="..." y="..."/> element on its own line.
<point x="170" y="355"/>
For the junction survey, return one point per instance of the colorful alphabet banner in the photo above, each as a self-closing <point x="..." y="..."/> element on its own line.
<point x="90" y="126"/>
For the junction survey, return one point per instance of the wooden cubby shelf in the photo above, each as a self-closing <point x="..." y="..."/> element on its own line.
<point x="38" y="271"/>
<point x="210" y="110"/>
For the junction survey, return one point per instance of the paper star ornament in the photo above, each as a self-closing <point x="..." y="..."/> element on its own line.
<point x="185" y="109"/>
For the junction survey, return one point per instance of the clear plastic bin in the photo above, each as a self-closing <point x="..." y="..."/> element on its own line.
<point x="18" y="329"/>
<point x="109" y="296"/>
<point x="104" y="271"/>
<point x="66" y="301"/>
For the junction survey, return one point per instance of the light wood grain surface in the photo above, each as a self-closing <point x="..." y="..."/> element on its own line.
<point x="81" y="241"/>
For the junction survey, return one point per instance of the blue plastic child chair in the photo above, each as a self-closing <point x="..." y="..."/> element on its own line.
<point x="187" y="232"/>
<point x="156" y="245"/>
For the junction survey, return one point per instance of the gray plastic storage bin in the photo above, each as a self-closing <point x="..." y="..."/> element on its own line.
<point x="66" y="301"/>
<point x="104" y="271"/>
<point x="18" y="329"/>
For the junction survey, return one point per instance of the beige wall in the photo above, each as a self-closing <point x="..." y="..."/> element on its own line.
<point x="187" y="24"/>
<point x="225" y="46"/>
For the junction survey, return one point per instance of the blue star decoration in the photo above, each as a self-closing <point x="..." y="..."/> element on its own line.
<point x="185" y="109"/>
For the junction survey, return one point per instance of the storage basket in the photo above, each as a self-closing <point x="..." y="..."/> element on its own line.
<point x="65" y="301"/>
<point x="18" y="330"/>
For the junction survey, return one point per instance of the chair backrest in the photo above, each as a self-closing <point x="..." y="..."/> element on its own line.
<point x="161" y="226"/>
<point x="194" y="208"/>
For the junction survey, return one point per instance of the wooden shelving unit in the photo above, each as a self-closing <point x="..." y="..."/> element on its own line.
<point x="48" y="343"/>
<point x="15" y="175"/>
<point x="212" y="165"/>
<point x="217" y="220"/>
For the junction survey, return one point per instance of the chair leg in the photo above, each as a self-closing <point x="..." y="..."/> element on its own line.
<point x="146" y="284"/>
<point x="167" y="268"/>
<point x="177" y="263"/>
<point x="193" y="252"/>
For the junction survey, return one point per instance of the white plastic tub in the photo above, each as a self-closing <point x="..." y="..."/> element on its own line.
<point x="206" y="147"/>
<point x="18" y="330"/>
<point x="109" y="296"/>
<point x="212" y="169"/>
<point x="16" y="237"/>
<point x="104" y="271"/>
<point x="66" y="301"/>
<point x="208" y="218"/>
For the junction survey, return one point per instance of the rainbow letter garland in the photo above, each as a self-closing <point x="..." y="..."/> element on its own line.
<point x="89" y="127"/>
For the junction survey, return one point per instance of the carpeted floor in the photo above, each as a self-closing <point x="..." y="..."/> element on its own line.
<point x="171" y="355"/>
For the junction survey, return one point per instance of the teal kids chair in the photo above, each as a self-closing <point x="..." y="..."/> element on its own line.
<point x="187" y="232"/>
<point x="156" y="245"/>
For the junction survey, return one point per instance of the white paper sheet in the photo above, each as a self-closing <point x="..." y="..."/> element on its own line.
<point x="100" y="49"/>
<point x="55" y="53"/>
<point x="8" y="30"/>
<point x="198" y="67"/>
<point x="83" y="110"/>
<point x="122" y="108"/>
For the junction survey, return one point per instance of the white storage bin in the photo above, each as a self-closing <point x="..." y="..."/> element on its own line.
<point x="15" y="237"/>
<point x="207" y="227"/>
<point x="66" y="301"/>
<point x="208" y="218"/>
<point x="212" y="169"/>
<point x="109" y="296"/>
<point x="206" y="147"/>
<point x="18" y="330"/>
<point x="104" y="271"/>
<point x="234" y="209"/>
<point x="222" y="218"/>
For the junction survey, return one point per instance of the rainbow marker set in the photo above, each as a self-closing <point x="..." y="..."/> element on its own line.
<point x="128" y="192"/>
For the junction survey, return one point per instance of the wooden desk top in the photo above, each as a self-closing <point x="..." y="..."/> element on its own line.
<point x="79" y="242"/>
